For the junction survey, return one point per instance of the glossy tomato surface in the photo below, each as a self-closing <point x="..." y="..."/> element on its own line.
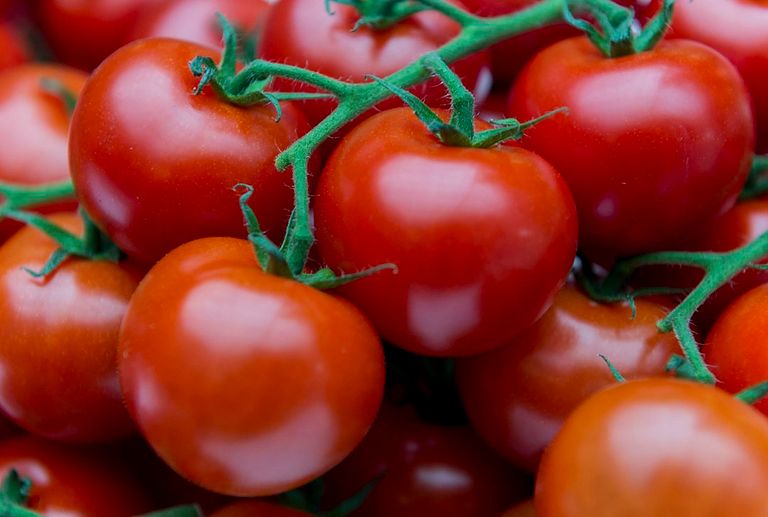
<point x="33" y="149"/>
<point x="657" y="447"/>
<point x="425" y="469"/>
<point x="302" y="33"/>
<point x="195" y="20"/>
<point x="654" y="146"/>
<point x="155" y="165"/>
<point x="58" y="348"/>
<point x="519" y="395"/>
<point x="258" y="509"/>
<point x="738" y="29"/>
<point x="482" y="239"/>
<point x="67" y="481"/>
<point x="245" y="383"/>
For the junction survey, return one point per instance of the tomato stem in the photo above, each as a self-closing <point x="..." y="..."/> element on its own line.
<point x="754" y="393"/>
<point x="22" y="196"/>
<point x="757" y="182"/>
<point x="57" y="88"/>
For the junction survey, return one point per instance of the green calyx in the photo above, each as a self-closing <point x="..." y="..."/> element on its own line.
<point x="753" y="394"/>
<point x="278" y="261"/>
<point x="57" y="88"/>
<point x="379" y="14"/>
<point x="616" y="37"/>
<point x="308" y="498"/>
<point x="459" y="131"/>
<point x="757" y="182"/>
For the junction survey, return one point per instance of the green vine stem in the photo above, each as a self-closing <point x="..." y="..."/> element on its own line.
<point x="17" y="197"/>
<point x="757" y="182"/>
<point x="719" y="268"/>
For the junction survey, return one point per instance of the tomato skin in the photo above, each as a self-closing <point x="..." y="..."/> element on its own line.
<point x="35" y="151"/>
<point x="737" y="346"/>
<point x="482" y="238"/>
<point x="518" y="396"/>
<point x="195" y="20"/>
<point x="208" y="330"/>
<point x="58" y="348"/>
<point x="657" y="447"/>
<point x="258" y="509"/>
<point x="13" y="51"/>
<point x="736" y="29"/>
<point x="71" y="481"/>
<point x="618" y="148"/>
<point x="425" y="469"/>
<point x="524" y="509"/>
<point x="302" y="33"/>
<point x="146" y="154"/>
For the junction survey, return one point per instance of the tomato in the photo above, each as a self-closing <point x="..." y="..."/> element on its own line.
<point x="736" y="347"/>
<point x="302" y="33"/>
<point x="35" y="151"/>
<point x="657" y="447"/>
<point x="195" y="20"/>
<point x="72" y="482"/>
<point x="59" y="341"/>
<point x="524" y="509"/>
<point x="678" y="134"/>
<point x="425" y="469"/>
<point x="482" y="238"/>
<point x="245" y="383"/>
<point x="738" y="29"/>
<point x="155" y="165"/>
<point x="84" y="32"/>
<point x="13" y="51"/>
<point x="519" y="395"/>
<point x="258" y="509"/>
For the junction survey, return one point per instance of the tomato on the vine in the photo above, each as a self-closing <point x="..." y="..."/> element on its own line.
<point x="154" y="165"/>
<point x="245" y="383"/>
<point x="657" y="447"/>
<point x="518" y="396"/>
<point x="671" y="127"/>
<point x="482" y="238"/>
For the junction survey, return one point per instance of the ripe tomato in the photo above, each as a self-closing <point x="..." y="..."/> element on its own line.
<point x="678" y="131"/>
<point x="738" y="29"/>
<point x="245" y="383"/>
<point x="519" y="395"/>
<point x="657" y="447"/>
<point x="302" y="33"/>
<point x="524" y="509"/>
<point x="13" y="51"/>
<point x="195" y="20"/>
<point x="737" y="345"/>
<point x="35" y="151"/>
<point x="258" y="509"/>
<point x="72" y="482"/>
<point x="58" y="348"/>
<point x="84" y="32"/>
<point x="424" y="470"/>
<point x="155" y="165"/>
<point x="482" y="238"/>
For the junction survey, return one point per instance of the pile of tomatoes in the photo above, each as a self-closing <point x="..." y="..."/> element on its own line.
<point x="161" y="351"/>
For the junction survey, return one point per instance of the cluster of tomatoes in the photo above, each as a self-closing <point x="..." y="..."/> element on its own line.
<point x="160" y="348"/>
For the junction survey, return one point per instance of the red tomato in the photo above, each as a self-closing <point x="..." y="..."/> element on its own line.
<point x="302" y="33"/>
<point x="84" y="32"/>
<point x="245" y="383"/>
<point x="58" y="348"/>
<point x="738" y="29"/>
<point x="482" y="238"/>
<point x="13" y="51"/>
<point x="258" y="509"/>
<point x="518" y="396"/>
<point x="737" y="346"/>
<point x="155" y="165"/>
<point x="678" y="134"/>
<point x="524" y="509"/>
<point x="72" y="482"/>
<point x="425" y="470"/>
<point x="657" y="447"/>
<point x="34" y="152"/>
<point x="195" y="20"/>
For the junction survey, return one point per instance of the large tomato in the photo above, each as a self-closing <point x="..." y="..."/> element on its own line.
<point x="671" y="128"/>
<point x="58" y="347"/>
<point x="482" y="238"/>
<point x="154" y="164"/>
<point x="425" y="469"/>
<point x="13" y="51"/>
<point x="302" y="33"/>
<point x="246" y="383"/>
<point x="657" y="447"/>
<point x="33" y="149"/>
<point x="738" y="29"/>
<point x="518" y="396"/>
<point x="72" y="482"/>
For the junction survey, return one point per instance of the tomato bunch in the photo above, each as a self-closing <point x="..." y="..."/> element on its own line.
<point x="272" y="261"/>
